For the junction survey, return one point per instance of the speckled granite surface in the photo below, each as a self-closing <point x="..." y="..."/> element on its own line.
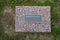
<point x="22" y="26"/>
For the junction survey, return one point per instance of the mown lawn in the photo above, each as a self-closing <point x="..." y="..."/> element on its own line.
<point x="55" y="20"/>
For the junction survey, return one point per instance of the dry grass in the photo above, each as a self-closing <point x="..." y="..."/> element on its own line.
<point x="7" y="21"/>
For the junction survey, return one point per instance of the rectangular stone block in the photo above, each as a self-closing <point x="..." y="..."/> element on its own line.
<point x="32" y="19"/>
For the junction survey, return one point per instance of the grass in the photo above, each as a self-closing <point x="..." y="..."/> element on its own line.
<point x="54" y="16"/>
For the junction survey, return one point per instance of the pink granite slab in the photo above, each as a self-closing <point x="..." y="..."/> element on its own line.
<point x="22" y="26"/>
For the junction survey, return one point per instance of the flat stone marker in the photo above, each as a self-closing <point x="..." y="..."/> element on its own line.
<point x="32" y="19"/>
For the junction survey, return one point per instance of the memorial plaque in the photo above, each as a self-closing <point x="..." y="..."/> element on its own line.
<point x="32" y="19"/>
